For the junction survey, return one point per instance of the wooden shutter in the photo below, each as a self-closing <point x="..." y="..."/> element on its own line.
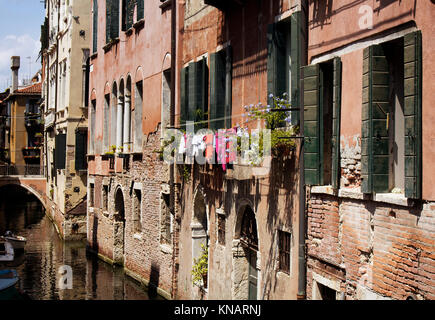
<point x="114" y="24"/>
<point x="295" y="46"/>
<point x="412" y="111"/>
<point x="192" y="98"/>
<point x="336" y="106"/>
<point x="217" y="89"/>
<point x="140" y="10"/>
<point x="60" y="147"/>
<point x="108" y="20"/>
<point x="311" y="78"/>
<point x="95" y="27"/>
<point x="130" y="12"/>
<point x="375" y="138"/>
<point x="183" y="95"/>
<point x="228" y="86"/>
<point x="81" y="147"/>
<point x="276" y="45"/>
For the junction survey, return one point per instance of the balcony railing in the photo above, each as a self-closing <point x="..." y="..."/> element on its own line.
<point x="21" y="170"/>
<point x="31" y="152"/>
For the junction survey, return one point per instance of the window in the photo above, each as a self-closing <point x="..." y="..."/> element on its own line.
<point x="140" y="10"/>
<point x="322" y="104"/>
<point x="105" y="197"/>
<point x="283" y="60"/>
<point x="137" y="201"/>
<point x="92" y="127"/>
<point x="165" y="220"/>
<point x="326" y="293"/>
<point x="391" y="117"/>
<point x="95" y="27"/>
<point x="106" y="132"/>
<point x="284" y="251"/>
<point x="91" y="195"/>
<point x="220" y="89"/>
<point x="112" y="20"/>
<point x="81" y="147"/>
<point x="127" y="14"/>
<point x="137" y="128"/>
<point x="166" y="100"/>
<point x="60" y="151"/>
<point x="194" y="80"/>
<point x="221" y="229"/>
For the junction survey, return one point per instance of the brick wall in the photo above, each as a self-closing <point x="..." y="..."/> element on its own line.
<point x="373" y="249"/>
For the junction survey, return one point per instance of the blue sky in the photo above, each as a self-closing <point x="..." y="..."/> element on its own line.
<point x="20" y="29"/>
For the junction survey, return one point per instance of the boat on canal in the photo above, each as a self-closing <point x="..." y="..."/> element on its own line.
<point x="6" y="251"/>
<point x="18" y="242"/>
<point x="8" y="279"/>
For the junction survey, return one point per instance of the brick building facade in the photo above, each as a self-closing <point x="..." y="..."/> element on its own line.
<point x="370" y="223"/>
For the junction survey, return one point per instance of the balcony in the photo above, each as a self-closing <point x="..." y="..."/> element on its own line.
<point x="224" y="4"/>
<point x="31" y="153"/>
<point x="33" y="119"/>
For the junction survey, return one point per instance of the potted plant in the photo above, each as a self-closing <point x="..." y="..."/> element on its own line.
<point x="200" y="268"/>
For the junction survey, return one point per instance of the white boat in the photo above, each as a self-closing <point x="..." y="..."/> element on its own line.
<point x="18" y="242"/>
<point x="6" y="250"/>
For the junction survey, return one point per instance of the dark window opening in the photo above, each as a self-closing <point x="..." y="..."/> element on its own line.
<point x="105" y="197"/>
<point x="91" y="195"/>
<point x="326" y="293"/>
<point x="284" y="251"/>
<point x="326" y="99"/>
<point x="137" y="201"/>
<point x="221" y="229"/>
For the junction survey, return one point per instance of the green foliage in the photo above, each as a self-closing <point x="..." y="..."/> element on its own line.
<point x="165" y="143"/>
<point x="200" y="266"/>
<point x="184" y="172"/>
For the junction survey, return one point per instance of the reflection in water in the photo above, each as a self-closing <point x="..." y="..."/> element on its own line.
<point x="45" y="253"/>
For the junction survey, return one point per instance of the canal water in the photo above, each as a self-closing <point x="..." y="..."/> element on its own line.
<point x="39" y="267"/>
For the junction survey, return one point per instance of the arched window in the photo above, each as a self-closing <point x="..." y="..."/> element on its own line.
<point x="92" y="127"/>
<point x="128" y="146"/>
<point x="113" y="121"/>
<point x="138" y="105"/>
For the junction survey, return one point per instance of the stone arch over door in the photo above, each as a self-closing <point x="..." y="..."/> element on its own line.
<point x="119" y="227"/>
<point x="199" y="224"/>
<point x="246" y="256"/>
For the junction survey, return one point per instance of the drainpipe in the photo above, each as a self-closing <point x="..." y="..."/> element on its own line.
<point x="302" y="274"/>
<point x="173" y="177"/>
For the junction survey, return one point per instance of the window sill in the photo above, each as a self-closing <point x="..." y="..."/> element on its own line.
<point x="137" y="236"/>
<point x="165" y="248"/>
<point x="139" y="24"/>
<point x="394" y="198"/>
<point x="323" y="190"/>
<point x="129" y="32"/>
<point x="109" y="45"/>
<point x="165" y="5"/>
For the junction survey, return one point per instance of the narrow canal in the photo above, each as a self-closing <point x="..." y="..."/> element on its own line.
<point x="45" y="253"/>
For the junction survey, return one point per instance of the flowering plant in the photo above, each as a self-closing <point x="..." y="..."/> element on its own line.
<point x="277" y="118"/>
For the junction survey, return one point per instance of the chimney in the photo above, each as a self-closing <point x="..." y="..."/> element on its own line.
<point x="15" y="65"/>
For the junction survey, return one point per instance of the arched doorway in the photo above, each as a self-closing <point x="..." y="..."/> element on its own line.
<point x="119" y="228"/>
<point x="245" y="256"/>
<point x="199" y="226"/>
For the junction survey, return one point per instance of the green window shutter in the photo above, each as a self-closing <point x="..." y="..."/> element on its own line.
<point x="336" y="113"/>
<point x="217" y="89"/>
<point x="60" y="147"/>
<point x="375" y="138"/>
<point x="228" y="86"/>
<point x="311" y="78"/>
<point x="295" y="45"/>
<point x="114" y="24"/>
<point x="108" y="20"/>
<point x="183" y="95"/>
<point x="81" y="147"/>
<point x="130" y="12"/>
<point x="95" y="27"/>
<point x="140" y="10"/>
<point x="412" y="110"/>
<point x="192" y="90"/>
<point x="276" y="59"/>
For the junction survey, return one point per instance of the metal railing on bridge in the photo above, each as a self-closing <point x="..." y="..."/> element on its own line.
<point x="21" y="170"/>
